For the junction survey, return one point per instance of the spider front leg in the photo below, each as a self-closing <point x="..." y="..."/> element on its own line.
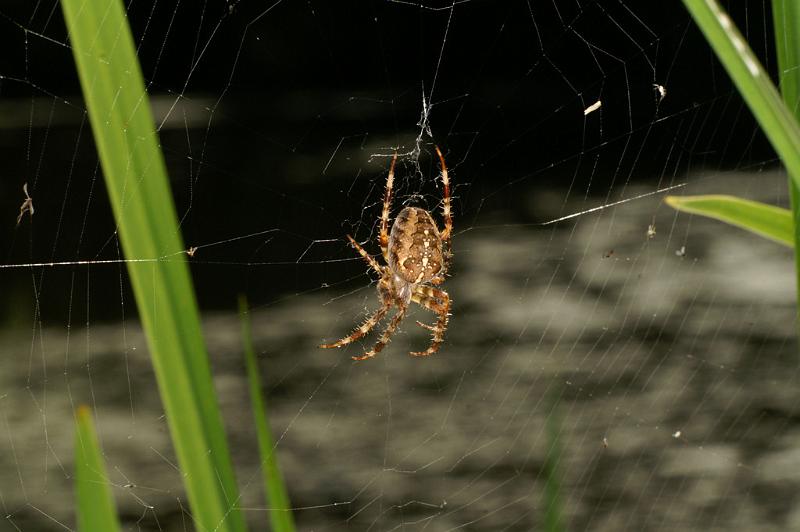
<point x="437" y="301"/>
<point x="446" y="212"/>
<point x="366" y="256"/>
<point x="387" y="205"/>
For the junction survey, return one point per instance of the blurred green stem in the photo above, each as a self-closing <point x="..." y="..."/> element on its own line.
<point x="95" y="504"/>
<point x="553" y="516"/>
<point x="280" y="509"/>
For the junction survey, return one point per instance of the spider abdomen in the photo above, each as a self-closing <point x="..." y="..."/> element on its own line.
<point x="415" y="246"/>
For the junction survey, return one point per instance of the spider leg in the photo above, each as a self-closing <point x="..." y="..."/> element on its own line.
<point x="426" y="326"/>
<point x="363" y="329"/>
<point x="439" y="279"/>
<point x="448" y="218"/>
<point x="387" y="203"/>
<point x="426" y="296"/>
<point x="428" y="292"/>
<point x="386" y="336"/>
<point x="437" y="301"/>
<point x="367" y="257"/>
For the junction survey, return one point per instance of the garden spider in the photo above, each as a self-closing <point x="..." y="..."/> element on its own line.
<point x="417" y="255"/>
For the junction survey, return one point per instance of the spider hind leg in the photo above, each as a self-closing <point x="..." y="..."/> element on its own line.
<point x="437" y="301"/>
<point x="362" y="330"/>
<point x="386" y="336"/>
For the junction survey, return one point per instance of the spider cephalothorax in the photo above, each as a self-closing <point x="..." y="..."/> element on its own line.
<point x="416" y="255"/>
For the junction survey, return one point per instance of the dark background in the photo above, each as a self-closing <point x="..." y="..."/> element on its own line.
<point x="281" y="106"/>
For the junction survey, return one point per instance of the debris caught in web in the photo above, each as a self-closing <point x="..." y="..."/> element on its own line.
<point x="661" y="90"/>
<point x="592" y="108"/>
<point x="27" y="205"/>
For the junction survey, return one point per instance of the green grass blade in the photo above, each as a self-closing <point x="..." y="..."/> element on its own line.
<point x="280" y="514"/>
<point x="135" y="175"/>
<point x="752" y="81"/>
<point x="786" y="20"/>
<point x="96" y="510"/>
<point x="765" y="220"/>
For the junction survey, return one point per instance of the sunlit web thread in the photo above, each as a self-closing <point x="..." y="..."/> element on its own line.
<point x="166" y="258"/>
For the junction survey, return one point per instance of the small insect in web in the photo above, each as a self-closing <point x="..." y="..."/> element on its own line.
<point x="417" y="257"/>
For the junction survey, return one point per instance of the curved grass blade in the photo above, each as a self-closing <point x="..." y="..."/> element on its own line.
<point x="280" y="514"/>
<point x="96" y="509"/>
<point x="135" y="175"/>
<point x="753" y="82"/>
<point x="765" y="220"/>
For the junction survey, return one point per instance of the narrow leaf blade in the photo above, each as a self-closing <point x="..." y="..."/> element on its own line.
<point x="135" y="174"/>
<point x="765" y="220"/>
<point x="753" y="82"/>
<point x="786" y="20"/>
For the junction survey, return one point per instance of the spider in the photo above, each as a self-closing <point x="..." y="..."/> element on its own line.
<point x="417" y="255"/>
